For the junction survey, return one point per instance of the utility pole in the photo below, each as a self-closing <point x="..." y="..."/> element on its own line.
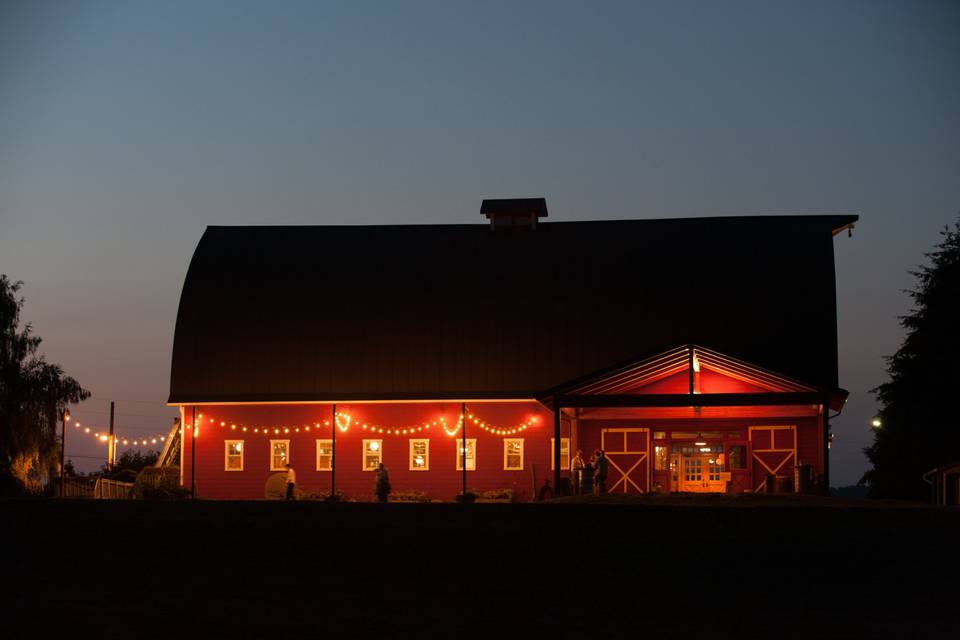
<point x="111" y="452"/>
<point x="63" y="450"/>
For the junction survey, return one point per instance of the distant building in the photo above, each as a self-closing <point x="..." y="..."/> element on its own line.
<point x="944" y="484"/>
<point x="700" y="354"/>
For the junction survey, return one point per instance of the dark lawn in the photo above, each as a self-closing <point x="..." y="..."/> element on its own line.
<point x="713" y="568"/>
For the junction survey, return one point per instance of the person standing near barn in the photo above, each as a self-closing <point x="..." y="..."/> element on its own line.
<point x="291" y="483"/>
<point x="601" y="474"/>
<point x="576" y="467"/>
<point x="382" y="486"/>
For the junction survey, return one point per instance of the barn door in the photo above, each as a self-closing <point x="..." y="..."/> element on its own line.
<point x="773" y="451"/>
<point x="628" y="456"/>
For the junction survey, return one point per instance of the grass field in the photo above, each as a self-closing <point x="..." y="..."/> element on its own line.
<point x="712" y="568"/>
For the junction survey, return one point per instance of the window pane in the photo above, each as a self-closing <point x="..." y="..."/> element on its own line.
<point x="471" y="455"/>
<point x="372" y="452"/>
<point x="660" y="457"/>
<point x="513" y="457"/>
<point x="279" y="454"/>
<point x="419" y="455"/>
<point x="324" y="455"/>
<point x="234" y="455"/>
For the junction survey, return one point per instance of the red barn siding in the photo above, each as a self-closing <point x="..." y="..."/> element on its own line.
<point x="441" y="481"/>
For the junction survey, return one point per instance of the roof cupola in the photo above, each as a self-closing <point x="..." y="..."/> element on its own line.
<point x="514" y="213"/>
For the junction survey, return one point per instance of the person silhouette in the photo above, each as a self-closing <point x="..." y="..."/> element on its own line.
<point x="382" y="483"/>
<point x="291" y="483"/>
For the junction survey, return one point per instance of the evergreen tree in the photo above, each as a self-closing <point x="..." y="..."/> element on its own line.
<point x="919" y="425"/>
<point x="33" y="395"/>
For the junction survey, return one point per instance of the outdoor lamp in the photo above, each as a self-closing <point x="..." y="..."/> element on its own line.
<point x="700" y="441"/>
<point x="876" y="423"/>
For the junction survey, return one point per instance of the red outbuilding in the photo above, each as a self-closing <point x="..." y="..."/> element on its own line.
<point x="699" y="354"/>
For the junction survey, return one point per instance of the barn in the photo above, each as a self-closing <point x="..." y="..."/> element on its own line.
<point x="700" y="354"/>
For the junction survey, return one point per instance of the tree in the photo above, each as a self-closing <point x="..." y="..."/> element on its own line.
<point x="130" y="463"/>
<point x="919" y="428"/>
<point x="33" y="395"/>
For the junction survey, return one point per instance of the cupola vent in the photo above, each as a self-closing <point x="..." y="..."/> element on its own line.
<point x="514" y="213"/>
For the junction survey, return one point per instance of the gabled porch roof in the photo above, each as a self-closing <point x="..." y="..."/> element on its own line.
<point x="677" y="378"/>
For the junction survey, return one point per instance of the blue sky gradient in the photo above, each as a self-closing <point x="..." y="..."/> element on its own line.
<point x="127" y="127"/>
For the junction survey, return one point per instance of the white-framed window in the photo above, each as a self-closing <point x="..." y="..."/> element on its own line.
<point x="324" y="455"/>
<point x="372" y="454"/>
<point x="471" y="454"/>
<point x="564" y="454"/>
<point x="233" y="455"/>
<point x="279" y="455"/>
<point x="419" y="454"/>
<point x="513" y="454"/>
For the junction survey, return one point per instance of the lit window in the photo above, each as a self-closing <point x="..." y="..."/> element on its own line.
<point x="513" y="454"/>
<point x="660" y="456"/>
<point x="279" y="455"/>
<point x="471" y="454"/>
<point x="564" y="454"/>
<point x="324" y="455"/>
<point x="419" y="454"/>
<point x="372" y="454"/>
<point x="233" y="455"/>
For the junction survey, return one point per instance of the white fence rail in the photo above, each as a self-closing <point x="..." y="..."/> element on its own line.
<point x="98" y="488"/>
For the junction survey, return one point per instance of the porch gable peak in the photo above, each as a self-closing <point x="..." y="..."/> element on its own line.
<point x="686" y="370"/>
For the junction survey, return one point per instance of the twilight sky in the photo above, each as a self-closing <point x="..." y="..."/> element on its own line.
<point x="127" y="127"/>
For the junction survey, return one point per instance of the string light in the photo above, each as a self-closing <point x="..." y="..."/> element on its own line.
<point x="345" y="421"/>
<point x="523" y="426"/>
<point x="99" y="436"/>
<point x="454" y="431"/>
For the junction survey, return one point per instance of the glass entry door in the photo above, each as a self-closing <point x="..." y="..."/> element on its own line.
<point x="701" y="474"/>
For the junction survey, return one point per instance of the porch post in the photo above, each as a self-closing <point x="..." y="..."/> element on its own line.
<point x="463" y="444"/>
<point x="826" y="446"/>
<point x="556" y="445"/>
<point x="193" y="455"/>
<point x="333" y="453"/>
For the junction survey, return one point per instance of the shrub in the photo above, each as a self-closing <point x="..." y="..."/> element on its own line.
<point x="506" y="495"/>
<point x="142" y="491"/>
<point x="411" y="495"/>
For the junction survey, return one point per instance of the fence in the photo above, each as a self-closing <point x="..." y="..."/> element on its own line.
<point x="98" y="488"/>
<point x="112" y="490"/>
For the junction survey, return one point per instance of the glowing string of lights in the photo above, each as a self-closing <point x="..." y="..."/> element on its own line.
<point x="523" y="426"/>
<point x="344" y="421"/>
<point x="139" y="441"/>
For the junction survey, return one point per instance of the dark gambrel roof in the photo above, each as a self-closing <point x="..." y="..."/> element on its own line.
<point x="462" y="311"/>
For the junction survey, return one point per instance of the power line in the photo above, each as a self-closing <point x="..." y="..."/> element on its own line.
<point x="154" y="402"/>
<point x="120" y="413"/>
